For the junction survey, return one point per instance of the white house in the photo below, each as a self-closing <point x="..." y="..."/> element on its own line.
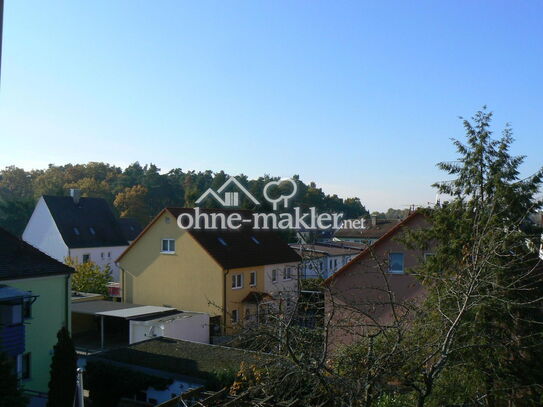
<point x="321" y="260"/>
<point x="84" y="229"/>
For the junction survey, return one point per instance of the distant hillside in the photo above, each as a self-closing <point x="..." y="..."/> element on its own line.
<point x="141" y="191"/>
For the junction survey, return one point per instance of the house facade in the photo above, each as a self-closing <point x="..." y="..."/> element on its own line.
<point x="229" y="275"/>
<point x="358" y="298"/>
<point x="35" y="297"/>
<point x="84" y="229"/>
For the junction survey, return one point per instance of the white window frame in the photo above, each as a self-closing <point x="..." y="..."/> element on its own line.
<point x="237" y="281"/>
<point x="169" y="245"/>
<point x="252" y="276"/>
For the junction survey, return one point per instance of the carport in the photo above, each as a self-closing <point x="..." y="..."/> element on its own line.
<point x="119" y="312"/>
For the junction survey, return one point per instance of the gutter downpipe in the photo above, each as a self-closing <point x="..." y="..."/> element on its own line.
<point x="224" y="316"/>
<point x="68" y="303"/>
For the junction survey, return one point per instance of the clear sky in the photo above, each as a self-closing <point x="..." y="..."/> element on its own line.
<point x="361" y="97"/>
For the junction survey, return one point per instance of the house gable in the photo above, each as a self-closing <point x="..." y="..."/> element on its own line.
<point x="42" y="232"/>
<point x="188" y="279"/>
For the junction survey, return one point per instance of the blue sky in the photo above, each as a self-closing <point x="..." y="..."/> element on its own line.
<point x="360" y="97"/>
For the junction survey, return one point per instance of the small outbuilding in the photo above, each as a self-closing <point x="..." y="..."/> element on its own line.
<point x="97" y="323"/>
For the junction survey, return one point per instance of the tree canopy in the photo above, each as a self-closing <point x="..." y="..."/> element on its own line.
<point x="141" y="191"/>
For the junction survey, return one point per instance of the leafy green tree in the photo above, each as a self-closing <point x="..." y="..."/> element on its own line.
<point x="133" y="203"/>
<point x="14" y="214"/>
<point x="16" y="183"/>
<point x="89" y="277"/>
<point x="483" y="314"/>
<point x="11" y="394"/>
<point x="91" y="187"/>
<point x="63" y="372"/>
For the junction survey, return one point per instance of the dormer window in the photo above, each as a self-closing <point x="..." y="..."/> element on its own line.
<point x="76" y="231"/>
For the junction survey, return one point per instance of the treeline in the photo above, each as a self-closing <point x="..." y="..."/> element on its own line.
<point x="141" y="191"/>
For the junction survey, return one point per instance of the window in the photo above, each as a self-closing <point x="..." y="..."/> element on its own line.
<point x="254" y="239"/>
<point x="335" y="263"/>
<point x="92" y="231"/>
<point x="27" y="310"/>
<point x="11" y="314"/>
<point x="252" y="278"/>
<point x="237" y="281"/>
<point x="168" y="246"/>
<point x="108" y="254"/>
<point x="287" y="273"/>
<point x="76" y="231"/>
<point x="274" y="276"/>
<point x="395" y="263"/>
<point x="25" y="374"/>
<point x="222" y="241"/>
<point x="235" y="316"/>
<point x="86" y="258"/>
<point x="102" y="255"/>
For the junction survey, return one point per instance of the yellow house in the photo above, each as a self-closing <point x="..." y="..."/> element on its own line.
<point x="231" y="275"/>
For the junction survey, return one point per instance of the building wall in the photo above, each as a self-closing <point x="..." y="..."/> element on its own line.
<point x="50" y="312"/>
<point x="281" y="286"/>
<point x="361" y="289"/>
<point x="311" y="268"/>
<point x="102" y="256"/>
<point x="190" y="327"/>
<point x="234" y="296"/>
<point x="41" y="232"/>
<point x="187" y="280"/>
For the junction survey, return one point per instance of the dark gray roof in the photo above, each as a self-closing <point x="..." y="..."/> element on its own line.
<point x="183" y="357"/>
<point x="18" y="259"/>
<point x="244" y="247"/>
<point x="90" y="223"/>
<point x="131" y="228"/>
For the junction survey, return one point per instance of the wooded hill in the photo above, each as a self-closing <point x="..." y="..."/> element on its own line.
<point x="142" y="191"/>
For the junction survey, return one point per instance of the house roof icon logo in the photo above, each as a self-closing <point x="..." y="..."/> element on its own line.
<point x="231" y="199"/>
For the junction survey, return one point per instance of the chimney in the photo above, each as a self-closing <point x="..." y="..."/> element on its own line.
<point x="373" y="220"/>
<point x="75" y="194"/>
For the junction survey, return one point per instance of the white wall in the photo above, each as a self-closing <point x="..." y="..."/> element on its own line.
<point x="102" y="256"/>
<point x="177" y="387"/>
<point x="192" y="327"/>
<point x="42" y="233"/>
<point x="195" y="328"/>
<point x="282" y="289"/>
